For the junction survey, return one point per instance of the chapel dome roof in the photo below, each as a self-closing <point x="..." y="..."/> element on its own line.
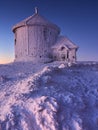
<point x="36" y="19"/>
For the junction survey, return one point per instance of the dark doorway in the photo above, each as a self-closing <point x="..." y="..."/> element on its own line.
<point x="63" y="57"/>
<point x="67" y="54"/>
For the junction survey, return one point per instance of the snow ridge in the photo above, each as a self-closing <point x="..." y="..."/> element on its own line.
<point x="55" y="98"/>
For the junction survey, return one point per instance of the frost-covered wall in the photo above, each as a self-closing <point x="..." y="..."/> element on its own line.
<point x="64" y="54"/>
<point x="60" y="55"/>
<point x="33" y="43"/>
<point x="40" y="40"/>
<point x="21" y="43"/>
<point x="72" y="55"/>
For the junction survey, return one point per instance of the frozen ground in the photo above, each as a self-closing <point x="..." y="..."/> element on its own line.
<point x="49" y="97"/>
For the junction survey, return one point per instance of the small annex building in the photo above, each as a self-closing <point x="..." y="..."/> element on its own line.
<point x="39" y="40"/>
<point x="64" y="50"/>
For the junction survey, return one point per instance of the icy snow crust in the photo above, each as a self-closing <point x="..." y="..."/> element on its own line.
<point x="49" y="97"/>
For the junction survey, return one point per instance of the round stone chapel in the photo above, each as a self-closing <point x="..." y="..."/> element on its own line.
<point x="38" y="40"/>
<point x="34" y="37"/>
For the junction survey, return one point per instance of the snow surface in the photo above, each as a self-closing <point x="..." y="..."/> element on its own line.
<point x="51" y="96"/>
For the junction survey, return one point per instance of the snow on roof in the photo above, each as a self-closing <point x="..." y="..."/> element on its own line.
<point x="36" y="19"/>
<point x="62" y="40"/>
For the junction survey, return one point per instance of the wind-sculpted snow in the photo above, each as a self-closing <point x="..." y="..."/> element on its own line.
<point x="57" y="97"/>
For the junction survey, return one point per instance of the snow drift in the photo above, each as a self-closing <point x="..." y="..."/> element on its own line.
<point x="49" y="97"/>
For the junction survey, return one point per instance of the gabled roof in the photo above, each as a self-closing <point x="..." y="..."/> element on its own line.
<point x="36" y="19"/>
<point x="64" y="41"/>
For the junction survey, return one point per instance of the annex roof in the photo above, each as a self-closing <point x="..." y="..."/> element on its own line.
<point x="64" y="41"/>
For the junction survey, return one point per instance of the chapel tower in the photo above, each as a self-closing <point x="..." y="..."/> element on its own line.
<point x="34" y="37"/>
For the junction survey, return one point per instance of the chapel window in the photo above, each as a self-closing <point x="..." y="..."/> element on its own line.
<point x="45" y="33"/>
<point x="15" y="41"/>
<point x="73" y="57"/>
<point x="15" y="56"/>
<point x="67" y="54"/>
<point x="62" y="48"/>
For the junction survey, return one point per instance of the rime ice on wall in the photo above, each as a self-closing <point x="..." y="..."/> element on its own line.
<point x="34" y="39"/>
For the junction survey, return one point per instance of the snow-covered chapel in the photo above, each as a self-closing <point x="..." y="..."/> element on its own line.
<point x="39" y="40"/>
